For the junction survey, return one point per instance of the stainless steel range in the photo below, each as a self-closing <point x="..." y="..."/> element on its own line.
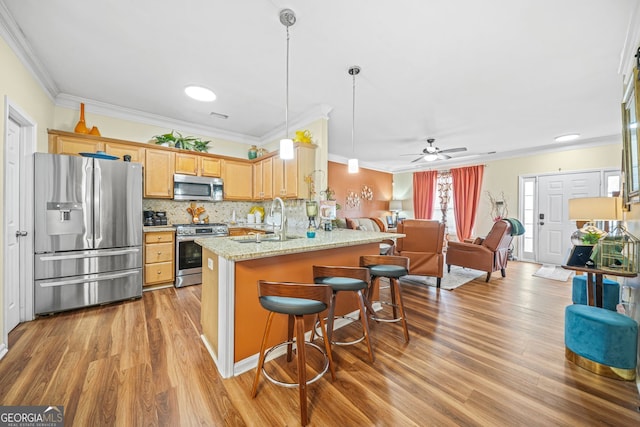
<point x="189" y="253"/>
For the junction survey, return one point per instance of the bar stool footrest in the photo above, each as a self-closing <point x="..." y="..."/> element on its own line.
<point x="291" y="385"/>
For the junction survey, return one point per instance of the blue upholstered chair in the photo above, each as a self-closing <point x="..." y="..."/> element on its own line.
<point x="610" y="292"/>
<point x="601" y="340"/>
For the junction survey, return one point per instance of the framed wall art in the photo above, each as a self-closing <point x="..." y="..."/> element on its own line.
<point x="631" y="188"/>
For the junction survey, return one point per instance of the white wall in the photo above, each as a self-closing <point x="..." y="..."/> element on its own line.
<point x="23" y="90"/>
<point x="501" y="176"/>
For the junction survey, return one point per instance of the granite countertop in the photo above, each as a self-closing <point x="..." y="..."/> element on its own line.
<point x="148" y="228"/>
<point x="232" y="249"/>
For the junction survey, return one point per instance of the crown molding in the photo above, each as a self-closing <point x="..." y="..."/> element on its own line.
<point x="137" y="116"/>
<point x="12" y="35"/>
<point x="320" y="111"/>
<point x="483" y="158"/>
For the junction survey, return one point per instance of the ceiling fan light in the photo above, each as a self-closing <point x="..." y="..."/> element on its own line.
<point x="353" y="166"/>
<point x="286" y="149"/>
<point x="431" y="157"/>
<point x="200" y="93"/>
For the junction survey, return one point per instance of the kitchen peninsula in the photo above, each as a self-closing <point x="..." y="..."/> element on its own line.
<point x="232" y="318"/>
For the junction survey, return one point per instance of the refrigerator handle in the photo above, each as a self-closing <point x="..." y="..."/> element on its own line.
<point x="89" y="278"/>
<point x="85" y="255"/>
<point x="97" y="208"/>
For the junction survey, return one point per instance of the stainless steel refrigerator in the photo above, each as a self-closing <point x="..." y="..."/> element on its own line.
<point x="88" y="231"/>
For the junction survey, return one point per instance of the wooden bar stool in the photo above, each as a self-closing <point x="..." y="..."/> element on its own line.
<point x="295" y="300"/>
<point x="392" y="267"/>
<point x="346" y="279"/>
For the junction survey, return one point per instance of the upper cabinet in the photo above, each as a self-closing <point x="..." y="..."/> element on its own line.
<point x="263" y="179"/>
<point x="74" y="144"/>
<point x="238" y="179"/>
<point x="288" y="175"/>
<point x="158" y="174"/>
<point x="260" y="179"/>
<point x="120" y="150"/>
<point x="195" y="164"/>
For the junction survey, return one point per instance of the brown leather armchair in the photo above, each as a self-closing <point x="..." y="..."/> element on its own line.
<point x="489" y="254"/>
<point x="423" y="246"/>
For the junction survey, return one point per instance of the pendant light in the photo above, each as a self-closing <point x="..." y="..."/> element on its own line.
<point x="287" y="18"/>
<point x="353" y="163"/>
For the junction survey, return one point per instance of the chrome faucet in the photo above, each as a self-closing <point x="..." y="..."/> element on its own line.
<point x="282" y="228"/>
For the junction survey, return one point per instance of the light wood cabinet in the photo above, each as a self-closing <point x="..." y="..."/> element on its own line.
<point x="238" y="180"/>
<point x="159" y="257"/>
<point x="121" y="150"/>
<point x="158" y="174"/>
<point x="194" y="164"/>
<point x="288" y="175"/>
<point x="263" y="179"/>
<point x="74" y="145"/>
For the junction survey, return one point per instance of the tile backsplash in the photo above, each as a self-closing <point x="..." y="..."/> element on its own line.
<point x="223" y="211"/>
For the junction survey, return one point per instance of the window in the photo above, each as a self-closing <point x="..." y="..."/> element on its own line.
<point x="444" y="198"/>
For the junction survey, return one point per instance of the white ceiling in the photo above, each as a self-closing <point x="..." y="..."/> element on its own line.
<point x="494" y="75"/>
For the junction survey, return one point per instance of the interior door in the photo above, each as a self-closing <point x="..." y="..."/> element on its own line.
<point x="554" y="227"/>
<point x="14" y="232"/>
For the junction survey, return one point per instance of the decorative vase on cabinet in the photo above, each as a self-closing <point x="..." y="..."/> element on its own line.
<point x="81" y="127"/>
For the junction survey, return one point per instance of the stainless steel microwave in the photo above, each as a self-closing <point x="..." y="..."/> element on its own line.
<point x="188" y="187"/>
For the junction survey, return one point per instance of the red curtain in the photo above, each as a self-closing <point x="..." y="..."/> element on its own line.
<point x="424" y="185"/>
<point x="467" y="184"/>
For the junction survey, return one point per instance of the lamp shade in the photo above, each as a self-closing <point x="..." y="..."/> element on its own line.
<point x="395" y="205"/>
<point x="352" y="166"/>
<point x="595" y="209"/>
<point x="286" y="149"/>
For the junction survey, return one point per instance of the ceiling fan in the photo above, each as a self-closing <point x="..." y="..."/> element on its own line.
<point x="432" y="153"/>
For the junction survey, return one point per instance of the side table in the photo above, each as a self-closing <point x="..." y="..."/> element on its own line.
<point x="595" y="275"/>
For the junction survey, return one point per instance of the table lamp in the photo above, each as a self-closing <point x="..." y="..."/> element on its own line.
<point x="395" y="206"/>
<point x="592" y="209"/>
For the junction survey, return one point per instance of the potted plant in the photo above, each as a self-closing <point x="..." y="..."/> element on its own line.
<point x="175" y="139"/>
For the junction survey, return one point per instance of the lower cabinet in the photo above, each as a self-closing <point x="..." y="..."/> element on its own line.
<point x="159" y="258"/>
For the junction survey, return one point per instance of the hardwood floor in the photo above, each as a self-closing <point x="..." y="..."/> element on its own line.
<point x="485" y="354"/>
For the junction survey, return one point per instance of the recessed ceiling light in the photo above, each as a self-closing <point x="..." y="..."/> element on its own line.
<point x="567" y="137"/>
<point x="200" y="93"/>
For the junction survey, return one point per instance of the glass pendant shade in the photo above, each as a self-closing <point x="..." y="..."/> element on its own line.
<point x="286" y="149"/>
<point x="353" y="166"/>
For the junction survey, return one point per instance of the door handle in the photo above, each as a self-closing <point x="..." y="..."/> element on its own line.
<point x="21" y="233"/>
<point x="541" y="223"/>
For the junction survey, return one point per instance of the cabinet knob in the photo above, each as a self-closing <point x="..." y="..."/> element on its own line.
<point x="159" y="252"/>
<point x="158" y="272"/>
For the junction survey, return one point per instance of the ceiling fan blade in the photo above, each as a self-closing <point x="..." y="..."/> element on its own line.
<point x="443" y="156"/>
<point x="413" y="154"/>
<point x="454" y="150"/>
<point x="419" y="158"/>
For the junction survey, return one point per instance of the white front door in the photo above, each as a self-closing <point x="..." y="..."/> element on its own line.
<point x="13" y="230"/>
<point x="554" y="227"/>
